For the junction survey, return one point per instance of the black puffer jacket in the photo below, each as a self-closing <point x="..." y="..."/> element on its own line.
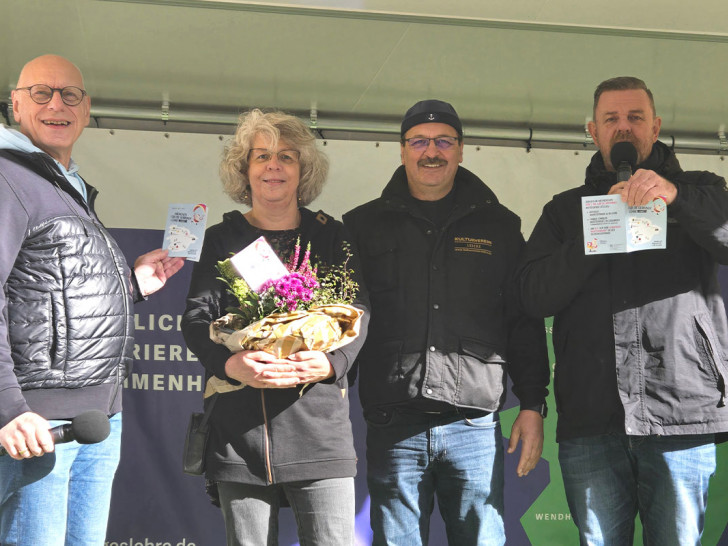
<point x="66" y="334"/>
<point x="264" y="436"/>
<point x="444" y="324"/>
<point x="641" y="339"/>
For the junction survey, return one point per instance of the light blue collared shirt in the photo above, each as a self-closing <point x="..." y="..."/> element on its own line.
<point x="10" y="139"/>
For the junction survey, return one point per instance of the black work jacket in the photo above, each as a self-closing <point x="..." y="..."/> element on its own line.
<point x="444" y="325"/>
<point x="640" y="338"/>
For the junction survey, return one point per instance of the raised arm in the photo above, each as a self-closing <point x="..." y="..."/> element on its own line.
<point x="553" y="267"/>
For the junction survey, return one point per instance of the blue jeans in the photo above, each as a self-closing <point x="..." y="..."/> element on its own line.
<point x="609" y="479"/>
<point x="324" y="512"/>
<point x="61" y="498"/>
<point x="412" y="458"/>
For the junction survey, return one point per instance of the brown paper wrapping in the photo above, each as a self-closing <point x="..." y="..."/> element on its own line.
<point x="323" y="328"/>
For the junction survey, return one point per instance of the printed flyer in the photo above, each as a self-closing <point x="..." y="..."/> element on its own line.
<point x="610" y="226"/>
<point x="257" y="263"/>
<point x="185" y="230"/>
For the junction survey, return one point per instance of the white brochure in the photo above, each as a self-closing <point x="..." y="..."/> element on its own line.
<point x="257" y="263"/>
<point x="185" y="230"/>
<point x="610" y="226"/>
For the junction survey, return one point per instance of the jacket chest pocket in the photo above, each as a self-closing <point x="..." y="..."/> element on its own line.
<point x="379" y="264"/>
<point x="476" y="268"/>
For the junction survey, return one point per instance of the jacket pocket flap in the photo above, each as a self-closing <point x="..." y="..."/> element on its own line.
<point x="480" y="350"/>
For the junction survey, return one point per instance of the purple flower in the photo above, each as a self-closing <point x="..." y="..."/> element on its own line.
<point x="292" y="290"/>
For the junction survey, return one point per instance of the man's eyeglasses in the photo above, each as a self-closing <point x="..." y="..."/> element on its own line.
<point x="261" y="155"/>
<point x="441" y="143"/>
<point x="43" y="94"/>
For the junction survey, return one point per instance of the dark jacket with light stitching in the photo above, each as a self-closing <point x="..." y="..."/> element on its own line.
<point x="66" y="330"/>
<point x="445" y="325"/>
<point x="640" y="338"/>
<point x="264" y="436"/>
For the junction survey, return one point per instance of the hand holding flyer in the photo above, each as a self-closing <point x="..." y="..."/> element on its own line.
<point x="610" y="226"/>
<point x="185" y="230"/>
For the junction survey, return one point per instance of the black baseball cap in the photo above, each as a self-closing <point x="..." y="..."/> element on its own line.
<point x="431" y="111"/>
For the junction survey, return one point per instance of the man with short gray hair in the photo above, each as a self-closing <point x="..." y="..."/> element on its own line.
<point x="66" y="327"/>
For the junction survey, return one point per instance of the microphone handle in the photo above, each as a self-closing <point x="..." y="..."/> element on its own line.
<point x="61" y="435"/>
<point x="624" y="172"/>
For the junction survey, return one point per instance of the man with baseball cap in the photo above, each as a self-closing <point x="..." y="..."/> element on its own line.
<point x="437" y="253"/>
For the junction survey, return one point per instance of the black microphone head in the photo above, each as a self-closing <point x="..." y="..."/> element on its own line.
<point x="90" y="427"/>
<point x="623" y="152"/>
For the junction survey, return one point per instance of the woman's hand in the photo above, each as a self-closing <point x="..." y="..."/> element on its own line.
<point x="261" y="370"/>
<point x="311" y="366"/>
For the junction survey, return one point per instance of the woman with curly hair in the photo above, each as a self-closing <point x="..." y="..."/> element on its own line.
<point x="273" y="441"/>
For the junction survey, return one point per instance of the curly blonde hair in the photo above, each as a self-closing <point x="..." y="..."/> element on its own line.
<point x="275" y="126"/>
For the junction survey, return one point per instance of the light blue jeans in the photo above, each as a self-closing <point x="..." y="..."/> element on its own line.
<point x="609" y="479"/>
<point x="324" y="512"/>
<point x="61" y="498"/>
<point x="414" y="457"/>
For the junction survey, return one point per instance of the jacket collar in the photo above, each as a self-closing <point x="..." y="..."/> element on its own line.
<point x="311" y="222"/>
<point x="468" y="188"/>
<point x="662" y="160"/>
<point x="44" y="166"/>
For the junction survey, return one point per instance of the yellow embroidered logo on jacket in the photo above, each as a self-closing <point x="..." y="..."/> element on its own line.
<point x="471" y="244"/>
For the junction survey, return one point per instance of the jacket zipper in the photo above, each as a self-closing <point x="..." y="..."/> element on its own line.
<point x="119" y="377"/>
<point x="102" y="230"/>
<point x="88" y="206"/>
<point x="268" y="466"/>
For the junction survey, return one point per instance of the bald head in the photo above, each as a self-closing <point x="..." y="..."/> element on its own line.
<point x="45" y="64"/>
<point x="54" y="126"/>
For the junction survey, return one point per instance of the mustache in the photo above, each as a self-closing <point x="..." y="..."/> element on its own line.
<point x="624" y="136"/>
<point x="432" y="162"/>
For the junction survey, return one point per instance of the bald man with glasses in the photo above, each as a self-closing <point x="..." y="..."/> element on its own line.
<point x="66" y="326"/>
<point x="437" y="253"/>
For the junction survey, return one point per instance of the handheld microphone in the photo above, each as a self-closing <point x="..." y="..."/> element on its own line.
<point x="90" y="427"/>
<point x="624" y="159"/>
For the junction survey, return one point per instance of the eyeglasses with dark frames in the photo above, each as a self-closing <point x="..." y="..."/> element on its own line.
<point x="43" y="94"/>
<point x="441" y="142"/>
<point x="261" y="155"/>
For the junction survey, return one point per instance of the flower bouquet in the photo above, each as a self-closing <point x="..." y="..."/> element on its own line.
<point x="302" y="308"/>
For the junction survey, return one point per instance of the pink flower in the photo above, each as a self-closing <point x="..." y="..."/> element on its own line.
<point x="291" y="290"/>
